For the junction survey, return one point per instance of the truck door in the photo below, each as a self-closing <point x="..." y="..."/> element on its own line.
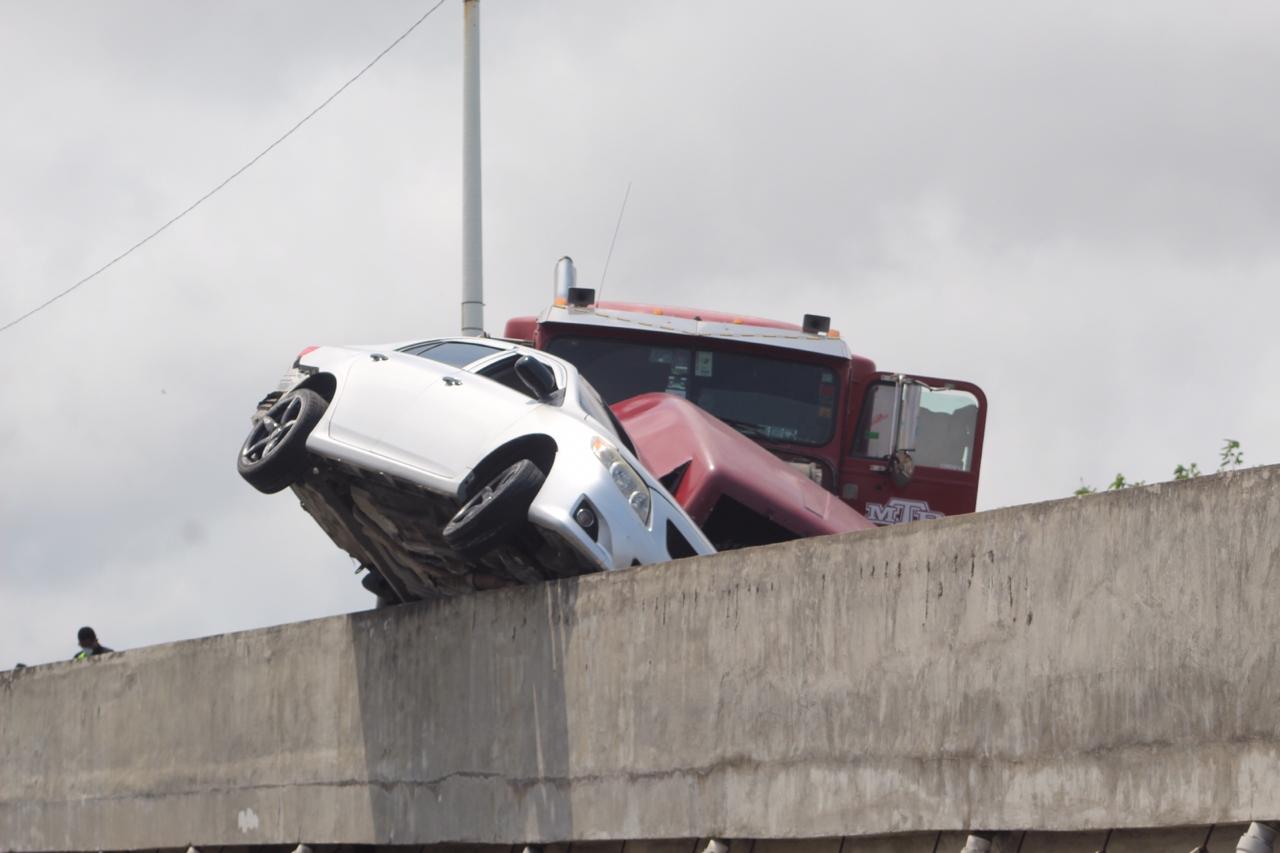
<point x="916" y="448"/>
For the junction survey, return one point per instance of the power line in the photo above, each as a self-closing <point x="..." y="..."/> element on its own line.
<point x="237" y="173"/>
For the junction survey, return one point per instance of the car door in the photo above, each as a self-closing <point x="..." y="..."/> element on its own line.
<point x="459" y="420"/>
<point x="376" y="393"/>
<point x="939" y="423"/>
<point x="421" y="407"/>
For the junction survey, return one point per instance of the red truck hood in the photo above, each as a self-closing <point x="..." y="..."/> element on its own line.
<point x="669" y="431"/>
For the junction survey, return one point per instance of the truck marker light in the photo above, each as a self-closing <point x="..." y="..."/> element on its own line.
<point x="581" y="297"/>
<point x="816" y="324"/>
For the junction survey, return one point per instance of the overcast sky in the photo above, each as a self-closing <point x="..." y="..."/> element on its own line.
<point x="1075" y="206"/>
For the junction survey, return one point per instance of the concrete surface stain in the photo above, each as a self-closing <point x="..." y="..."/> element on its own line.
<point x="247" y="821"/>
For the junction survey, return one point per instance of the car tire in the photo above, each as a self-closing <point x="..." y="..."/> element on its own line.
<point x="274" y="455"/>
<point x="496" y="511"/>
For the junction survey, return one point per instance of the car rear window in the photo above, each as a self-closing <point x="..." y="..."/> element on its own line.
<point x="455" y="353"/>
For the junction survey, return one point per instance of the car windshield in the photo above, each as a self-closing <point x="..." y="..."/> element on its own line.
<point x="761" y="396"/>
<point x="455" y="353"/>
<point x="591" y="402"/>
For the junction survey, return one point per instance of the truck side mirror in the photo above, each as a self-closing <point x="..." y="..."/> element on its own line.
<point x="901" y="468"/>
<point x="906" y="417"/>
<point x="536" y="376"/>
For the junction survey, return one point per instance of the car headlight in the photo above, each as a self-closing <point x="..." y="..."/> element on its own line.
<point x="625" y="477"/>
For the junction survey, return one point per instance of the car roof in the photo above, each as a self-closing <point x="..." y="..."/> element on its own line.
<point x="501" y="347"/>
<point x="496" y="343"/>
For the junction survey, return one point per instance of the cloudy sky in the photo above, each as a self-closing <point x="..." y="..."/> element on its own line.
<point x="1074" y="205"/>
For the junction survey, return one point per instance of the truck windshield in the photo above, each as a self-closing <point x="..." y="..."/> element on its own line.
<point x="763" y="397"/>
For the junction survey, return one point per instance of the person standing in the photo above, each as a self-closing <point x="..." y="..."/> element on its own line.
<point x="89" y="645"/>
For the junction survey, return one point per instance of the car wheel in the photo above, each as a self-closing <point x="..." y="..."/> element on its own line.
<point x="274" y="456"/>
<point x="496" y="511"/>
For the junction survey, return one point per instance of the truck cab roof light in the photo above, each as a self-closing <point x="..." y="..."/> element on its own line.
<point x="816" y="324"/>
<point x="581" y="297"/>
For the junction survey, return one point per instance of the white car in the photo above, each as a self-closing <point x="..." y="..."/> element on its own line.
<point x="451" y="465"/>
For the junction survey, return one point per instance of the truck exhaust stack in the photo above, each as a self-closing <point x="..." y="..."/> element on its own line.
<point x="566" y="277"/>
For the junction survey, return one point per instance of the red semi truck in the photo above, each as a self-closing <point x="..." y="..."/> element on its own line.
<point x="894" y="447"/>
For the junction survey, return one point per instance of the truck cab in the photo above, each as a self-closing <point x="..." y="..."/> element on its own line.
<point x="895" y="447"/>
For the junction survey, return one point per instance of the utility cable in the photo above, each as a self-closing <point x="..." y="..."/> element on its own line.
<point x="237" y="173"/>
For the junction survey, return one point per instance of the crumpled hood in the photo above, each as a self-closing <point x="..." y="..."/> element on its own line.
<point x="669" y="431"/>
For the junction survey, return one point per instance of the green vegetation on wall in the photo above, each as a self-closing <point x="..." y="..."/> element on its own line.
<point x="1230" y="457"/>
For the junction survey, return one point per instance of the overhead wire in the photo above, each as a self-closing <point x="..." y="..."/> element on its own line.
<point x="237" y="173"/>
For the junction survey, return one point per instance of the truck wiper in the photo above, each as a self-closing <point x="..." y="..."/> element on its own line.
<point x="747" y="428"/>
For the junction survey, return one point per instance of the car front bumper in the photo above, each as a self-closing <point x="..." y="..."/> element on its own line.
<point x="621" y="539"/>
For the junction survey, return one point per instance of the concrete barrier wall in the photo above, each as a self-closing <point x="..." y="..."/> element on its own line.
<point x="1217" y="838"/>
<point x="1086" y="664"/>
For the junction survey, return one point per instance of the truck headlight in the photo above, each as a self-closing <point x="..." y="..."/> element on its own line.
<point x="625" y="477"/>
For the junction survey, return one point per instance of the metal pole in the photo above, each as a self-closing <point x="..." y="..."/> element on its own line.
<point x="472" y="242"/>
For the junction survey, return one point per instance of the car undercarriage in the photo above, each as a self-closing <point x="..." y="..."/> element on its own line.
<point x="393" y="528"/>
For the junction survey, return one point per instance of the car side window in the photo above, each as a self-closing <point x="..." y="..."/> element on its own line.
<point x="453" y="353"/>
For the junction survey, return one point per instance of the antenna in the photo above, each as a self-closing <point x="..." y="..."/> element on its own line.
<point x="616" y="228"/>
